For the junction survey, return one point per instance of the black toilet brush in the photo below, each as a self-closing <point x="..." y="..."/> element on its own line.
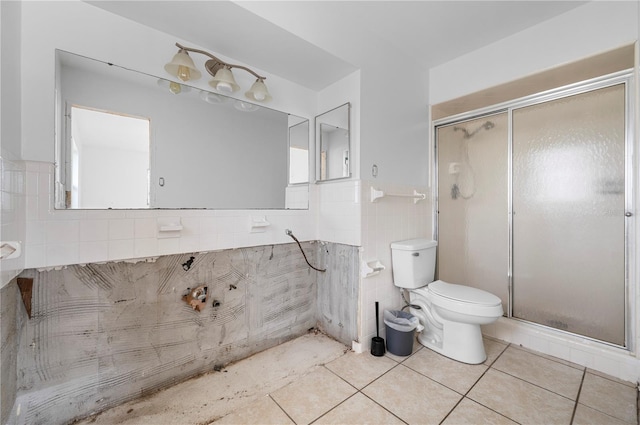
<point x="377" y="343"/>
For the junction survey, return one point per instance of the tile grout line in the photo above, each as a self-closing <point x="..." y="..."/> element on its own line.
<point x="575" y="406"/>
<point x="281" y="408"/>
<point x="584" y="372"/>
<point x="360" y="391"/>
<point x="387" y="410"/>
<point x="474" y="384"/>
<point x="601" y="411"/>
<point x="453" y="389"/>
<point x="333" y="408"/>
<point x="535" y="385"/>
<point x="610" y="379"/>
<point x="549" y="357"/>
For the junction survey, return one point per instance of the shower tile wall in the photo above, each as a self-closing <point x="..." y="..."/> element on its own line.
<point x="105" y="333"/>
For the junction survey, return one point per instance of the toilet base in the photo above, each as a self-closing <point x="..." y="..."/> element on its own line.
<point x="461" y="341"/>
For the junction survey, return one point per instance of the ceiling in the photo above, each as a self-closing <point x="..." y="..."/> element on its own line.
<point x="315" y="43"/>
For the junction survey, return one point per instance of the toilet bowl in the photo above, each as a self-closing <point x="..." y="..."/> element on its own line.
<point x="451" y="314"/>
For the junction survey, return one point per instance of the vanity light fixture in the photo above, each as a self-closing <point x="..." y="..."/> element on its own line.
<point x="182" y="66"/>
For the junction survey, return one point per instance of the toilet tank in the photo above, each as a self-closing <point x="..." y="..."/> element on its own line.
<point x="413" y="262"/>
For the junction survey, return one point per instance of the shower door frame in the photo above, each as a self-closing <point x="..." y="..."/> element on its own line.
<point x="622" y="77"/>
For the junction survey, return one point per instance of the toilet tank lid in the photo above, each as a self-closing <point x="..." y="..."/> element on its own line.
<point x="414" y="244"/>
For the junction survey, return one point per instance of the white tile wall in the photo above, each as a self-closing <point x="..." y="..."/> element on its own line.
<point x="62" y="237"/>
<point x="297" y="197"/>
<point x="339" y="212"/>
<point x="384" y="221"/>
<point x="12" y="214"/>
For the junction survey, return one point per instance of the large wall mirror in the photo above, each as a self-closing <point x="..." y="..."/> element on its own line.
<point x="130" y="140"/>
<point x="332" y="144"/>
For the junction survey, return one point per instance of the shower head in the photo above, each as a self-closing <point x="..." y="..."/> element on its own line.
<point x="464" y="130"/>
<point x="488" y="125"/>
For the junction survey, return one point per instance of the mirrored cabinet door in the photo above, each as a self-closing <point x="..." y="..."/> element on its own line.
<point x="333" y="147"/>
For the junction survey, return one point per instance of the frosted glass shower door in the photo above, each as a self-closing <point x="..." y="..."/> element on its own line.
<point x="473" y="233"/>
<point x="568" y="214"/>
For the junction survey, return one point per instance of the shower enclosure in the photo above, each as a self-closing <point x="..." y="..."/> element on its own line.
<point x="533" y="203"/>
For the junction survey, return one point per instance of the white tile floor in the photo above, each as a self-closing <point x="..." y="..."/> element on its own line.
<point x="513" y="386"/>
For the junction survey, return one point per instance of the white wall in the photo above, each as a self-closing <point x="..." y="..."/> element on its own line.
<point x="394" y="123"/>
<point x="10" y="81"/>
<point x="584" y="31"/>
<point x="579" y="33"/>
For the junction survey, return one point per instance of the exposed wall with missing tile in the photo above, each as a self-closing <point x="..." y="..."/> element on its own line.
<point x="338" y="291"/>
<point x="12" y="316"/>
<point x="102" y="334"/>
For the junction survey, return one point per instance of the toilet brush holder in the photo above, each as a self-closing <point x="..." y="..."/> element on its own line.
<point x="377" y="343"/>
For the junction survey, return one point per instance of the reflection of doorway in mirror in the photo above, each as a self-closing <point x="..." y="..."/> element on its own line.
<point x="110" y="160"/>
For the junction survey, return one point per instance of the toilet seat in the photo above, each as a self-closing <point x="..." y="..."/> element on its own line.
<point x="461" y="293"/>
<point x="462" y="299"/>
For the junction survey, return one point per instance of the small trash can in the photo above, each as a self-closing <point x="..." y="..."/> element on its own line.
<point x="400" y="327"/>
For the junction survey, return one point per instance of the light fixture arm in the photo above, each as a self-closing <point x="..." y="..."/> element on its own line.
<point x="215" y="63"/>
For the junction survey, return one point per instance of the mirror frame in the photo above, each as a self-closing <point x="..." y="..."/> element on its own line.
<point x="318" y="141"/>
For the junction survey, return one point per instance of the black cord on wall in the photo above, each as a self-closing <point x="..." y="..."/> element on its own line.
<point x="290" y="233"/>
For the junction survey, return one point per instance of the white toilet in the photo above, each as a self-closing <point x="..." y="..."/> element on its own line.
<point x="451" y="314"/>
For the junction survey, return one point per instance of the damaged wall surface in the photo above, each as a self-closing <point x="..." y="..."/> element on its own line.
<point x="103" y="334"/>
<point x="338" y="291"/>
<point x="11" y="323"/>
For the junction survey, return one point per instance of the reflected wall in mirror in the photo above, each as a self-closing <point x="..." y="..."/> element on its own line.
<point x="188" y="148"/>
<point x="298" y="151"/>
<point x="333" y="146"/>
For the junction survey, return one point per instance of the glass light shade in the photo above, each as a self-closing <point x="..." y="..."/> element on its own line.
<point x="245" y="106"/>
<point x="182" y="66"/>
<point x="224" y="81"/>
<point x="258" y="91"/>
<point x="174" y="87"/>
<point x="212" y="98"/>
